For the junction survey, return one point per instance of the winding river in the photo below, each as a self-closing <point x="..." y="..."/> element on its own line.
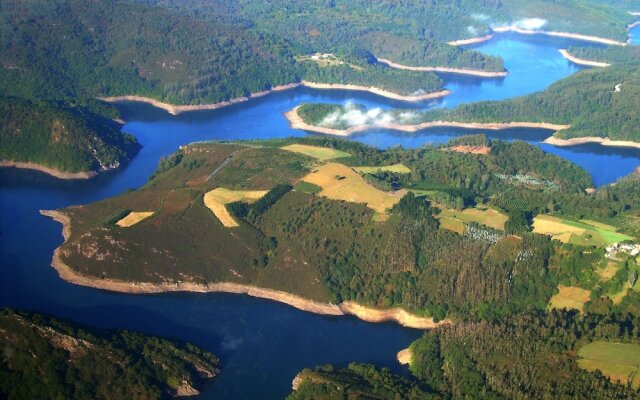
<point x="262" y="344"/>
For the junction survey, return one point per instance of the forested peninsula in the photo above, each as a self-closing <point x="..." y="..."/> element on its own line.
<point x="45" y="358"/>
<point x="395" y="228"/>
<point x="71" y="139"/>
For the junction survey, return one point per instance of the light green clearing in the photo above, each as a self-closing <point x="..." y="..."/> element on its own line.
<point x="321" y="153"/>
<point x="396" y="168"/>
<point x="580" y="233"/>
<point x="618" y="361"/>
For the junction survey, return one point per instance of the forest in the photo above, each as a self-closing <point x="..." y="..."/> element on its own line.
<point x="46" y="358"/>
<point x="479" y="360"/>
<point x="69" y="136"/>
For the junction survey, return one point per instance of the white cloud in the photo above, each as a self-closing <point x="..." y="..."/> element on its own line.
<point x="350" y="115"/>
<point x="530" y="24"/>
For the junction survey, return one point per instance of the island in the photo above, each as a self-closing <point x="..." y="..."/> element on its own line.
<point x="45" y="358"/>
<point x="339" y="228"/>
<point x="479" y="360"/>
<point x="66" y="139"/>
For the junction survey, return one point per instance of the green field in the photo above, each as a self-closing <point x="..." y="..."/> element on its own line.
<point x="321" y="153"/>
<point x="396" y="168"/>
<point x="619" y="361"/>
<point x="585" y="232"/>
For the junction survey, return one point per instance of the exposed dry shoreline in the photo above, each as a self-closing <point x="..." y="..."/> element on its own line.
<point x="404" y="356"/>
<point x="50" y="171"/>
<point x="474" y="40"/>
<point x="178" y="109"/>
<point x="591" y="139"/>
<point x="347" y="308"/>
<point x="586" y="38"/>
<point x="297" y="123"/>
<point x="581" y="61"/>
<point x="462" y="71"/>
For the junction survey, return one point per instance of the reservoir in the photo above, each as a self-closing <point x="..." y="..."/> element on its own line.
<point x="262" y="344"/>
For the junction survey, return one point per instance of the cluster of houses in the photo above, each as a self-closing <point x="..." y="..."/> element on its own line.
<point x="632" y="249"/>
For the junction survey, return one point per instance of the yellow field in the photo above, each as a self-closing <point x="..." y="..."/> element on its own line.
<point x="555" y="227"/>
<point x="340" y="182"/>
<point x="397" y="168"/>
<point x="133" y="218"/>
<point x="569" y="297"/>
<point x="452" y="224"/>
<point x="216" y="199"/>
<point x="584" y="233"/>
<point x="321" y="153"/>
<point x="488" y="217"/>
<point x="617" y="361"/>
<point x="607" y="272"/>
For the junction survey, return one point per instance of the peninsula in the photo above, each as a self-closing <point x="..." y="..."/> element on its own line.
<point x="258" y="212"/>
<point x="460" y="71"/>
<point x="41" y="353"/>
<point x="63" y="139"/>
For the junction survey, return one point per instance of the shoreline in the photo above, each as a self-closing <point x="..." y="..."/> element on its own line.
<point x="368" y="314"/>
<point x="565" y="53"/>
<point x="49" y="171"/>
<point x="591" y="139"/>
<point x="404" y="356"/>
<point x="296" y="122"/>
<point x="378" y="91"/>
<point x="174" y="109"/>
<point x="475" y="40"/>
<point x="461" y="71"/>
<point x="576" y="36"/>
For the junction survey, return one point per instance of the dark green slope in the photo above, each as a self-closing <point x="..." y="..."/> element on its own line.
<point x="73" y="137"/>
<point x="43" y="358"/>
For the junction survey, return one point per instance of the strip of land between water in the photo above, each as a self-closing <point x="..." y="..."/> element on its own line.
<point x="364" y="313"/>
<point x="581" y="61"/>
<point x="461" y="71"/>
<point x="48" y="170"/>
<point x="591" y="139"/>
<point x="514" y="29"/>
<point x="178" y="109"/>
<point x="298" y="123"/>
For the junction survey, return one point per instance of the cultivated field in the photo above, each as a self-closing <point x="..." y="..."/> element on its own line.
<point x="321" y="153"/>
<point x="618" y="361"/>
<point x="569" y="297"/>
<point x="456" y="219"/>
<point x="397" y="168"/>
<point x="217" y="199"/>
<point x="133" y="218"/>
<point x="340" y="182"/>
<point x="584" y="233"/>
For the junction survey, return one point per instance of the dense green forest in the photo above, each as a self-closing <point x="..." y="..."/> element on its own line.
<point x="44" y="358"/>
<point x="208" y="55"/>
<point x="408" y="258"/>
<point x="611" y="54"/>
<point x="600" y="102"/>
<point x="69" y="136"/>
<point x="197" y="52"/>
<point x="529" y="356"/>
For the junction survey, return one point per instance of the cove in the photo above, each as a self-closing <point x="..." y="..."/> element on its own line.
<point x="262" y="344"/>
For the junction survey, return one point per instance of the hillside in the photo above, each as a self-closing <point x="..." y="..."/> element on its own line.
<point x="44" y="358"/>
<point x="64" y="138"/>
<point x="479" y="360"/>
<point x="258" y="212"/>
<point x="128" y="48"/>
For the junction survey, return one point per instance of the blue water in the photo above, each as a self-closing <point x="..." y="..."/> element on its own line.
<point x="634" y="34"/>
<point x="262" y="344"/>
